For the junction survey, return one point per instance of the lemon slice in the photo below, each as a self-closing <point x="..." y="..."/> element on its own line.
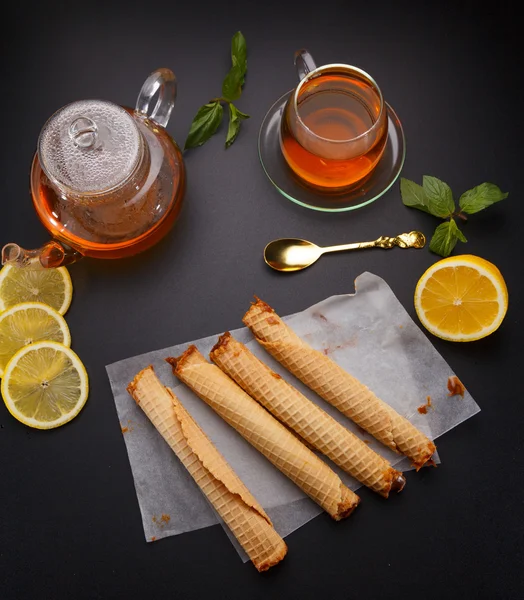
<point x="461" y="298"/>
<point x="45" y="385"/>
<point x="26" y="323"/>
<point x="50" y="286"/>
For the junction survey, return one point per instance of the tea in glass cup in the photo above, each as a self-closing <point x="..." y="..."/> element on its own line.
<point x="334" y="127"/>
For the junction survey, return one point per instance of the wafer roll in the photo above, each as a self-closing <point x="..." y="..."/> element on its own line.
<point x="232" y="500"/>
<point x="336" y="386"/>
<point x="304" y="417"/>
<point x="265" y="433"/>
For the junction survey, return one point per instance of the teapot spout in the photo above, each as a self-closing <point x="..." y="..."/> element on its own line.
<point x="49" y="256"/>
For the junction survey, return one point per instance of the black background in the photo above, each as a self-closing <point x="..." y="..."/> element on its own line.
<point x="70" y="526"/>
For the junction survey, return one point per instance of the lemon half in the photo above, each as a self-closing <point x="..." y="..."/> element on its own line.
<point x="45" y="385"/>
<point x="26" y="284"/>
<point x="27" y="323"/>
<point x="461" y="298"/>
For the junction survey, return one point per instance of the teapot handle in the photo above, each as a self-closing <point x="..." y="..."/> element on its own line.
<point x="162" y="81"/>
<point x="304" y="63"/>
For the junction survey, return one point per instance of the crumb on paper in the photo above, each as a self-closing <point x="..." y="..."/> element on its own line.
<point x="351" y="343"/>
<point x="272" y="321"/>
<point x="423" y="409"/>
<point x="153" y="539"/>
<point x="320" y="316"/>
<point x="455" y="386"/>
<point x="161" y="521"/>
<point x="401" y="326"/>
<point x="362" y="431"/>
<point x="367" y="441"/>
<point x="127" y="428"/>
<point x="276" y="375"/>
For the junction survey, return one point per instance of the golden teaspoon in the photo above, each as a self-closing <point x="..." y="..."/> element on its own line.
<point x="293" y="254"/>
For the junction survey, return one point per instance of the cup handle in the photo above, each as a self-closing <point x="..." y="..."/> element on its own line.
<point x="304" y="63"/>
<point x="162" y="81"/>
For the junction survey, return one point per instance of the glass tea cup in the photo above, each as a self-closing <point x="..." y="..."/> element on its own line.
<point x="334" y="127"/>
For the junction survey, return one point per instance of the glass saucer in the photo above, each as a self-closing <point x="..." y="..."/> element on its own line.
<point x="288" y="184"/>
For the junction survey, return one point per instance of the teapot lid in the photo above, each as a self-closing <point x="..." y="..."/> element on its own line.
<point x="90" y="146"/>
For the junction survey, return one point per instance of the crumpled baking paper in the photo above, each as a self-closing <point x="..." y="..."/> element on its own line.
<point x="368" y="333"/>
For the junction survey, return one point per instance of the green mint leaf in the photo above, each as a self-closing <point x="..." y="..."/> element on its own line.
<point x="459" y="234"/>
<point x="481" y="197"/>
<point x="440" y="197"/>
<point x="204" y="124"/>
<point x="240" y="114"/>
<point x="413" y="195"/>
<point x="232" y="86"/>
<point x="235" y="120"/>
<point x="239" y="53"/>
<point x="445" y="238"/>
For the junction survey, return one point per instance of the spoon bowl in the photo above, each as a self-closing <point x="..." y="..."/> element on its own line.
<point x="291" y="254"/>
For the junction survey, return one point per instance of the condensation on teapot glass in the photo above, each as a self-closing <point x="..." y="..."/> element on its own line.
<point x="90" y="147"/>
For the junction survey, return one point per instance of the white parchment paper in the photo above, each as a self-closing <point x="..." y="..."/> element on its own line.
<point x="368" y="333"/>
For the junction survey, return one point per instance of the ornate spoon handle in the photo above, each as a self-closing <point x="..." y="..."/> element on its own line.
<point x="413" y="239"/>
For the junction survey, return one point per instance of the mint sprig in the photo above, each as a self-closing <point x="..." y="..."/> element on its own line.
<point x="436" y="198"/>
<point x="480" y="197"/>
<point x="235" y="119"/>
<point x="439" y="195"/>
<point x="209" y="116"/>
<point x="204" y="125"/>
<point x="445" y="238"/>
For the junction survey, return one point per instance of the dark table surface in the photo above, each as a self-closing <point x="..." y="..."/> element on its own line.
<point x="70" y="525"/>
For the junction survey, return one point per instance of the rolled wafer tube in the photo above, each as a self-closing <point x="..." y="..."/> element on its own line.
<point x="232" y="500"/>
<point x="325" y="377"/>
<point x="265" y="433"/>
<point x="296" y="411"/>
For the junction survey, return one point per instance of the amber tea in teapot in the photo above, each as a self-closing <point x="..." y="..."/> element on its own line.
<point x="106" y="181"/>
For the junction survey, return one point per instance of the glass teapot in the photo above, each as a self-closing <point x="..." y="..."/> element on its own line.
<point x="106" y="181"/>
